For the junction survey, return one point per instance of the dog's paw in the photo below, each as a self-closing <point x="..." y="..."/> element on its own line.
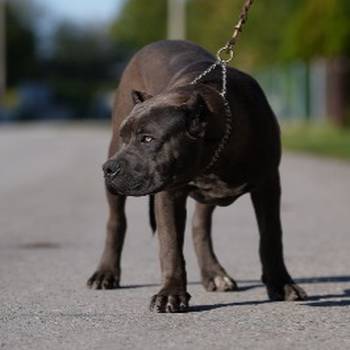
<point x="169" y="303"/>
<point x="219" y="283"/>
<point x="288" y="292"/>
<point x="103" y="279"/>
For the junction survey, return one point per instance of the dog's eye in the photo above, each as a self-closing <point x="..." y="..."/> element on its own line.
<point x="146" y="139"/>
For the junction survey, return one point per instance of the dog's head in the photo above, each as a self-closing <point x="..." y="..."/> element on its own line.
<point x="162" y="142"/>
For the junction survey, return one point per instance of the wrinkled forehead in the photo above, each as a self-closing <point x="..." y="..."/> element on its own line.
<point x="154" y="115"/>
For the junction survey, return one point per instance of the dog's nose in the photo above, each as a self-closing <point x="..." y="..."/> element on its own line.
<point x="111" y="169"/>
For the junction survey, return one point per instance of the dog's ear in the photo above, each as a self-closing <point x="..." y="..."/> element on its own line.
<point x="139" y="96"/>
<point x="197" y="116"/>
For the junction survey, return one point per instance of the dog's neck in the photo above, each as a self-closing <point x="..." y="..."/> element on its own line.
<point x="219" y="127"/>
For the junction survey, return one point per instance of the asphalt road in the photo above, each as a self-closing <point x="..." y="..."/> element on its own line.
<point x="52" y="218"/>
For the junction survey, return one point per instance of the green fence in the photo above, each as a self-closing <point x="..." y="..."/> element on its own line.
<point x="296" y="91"/>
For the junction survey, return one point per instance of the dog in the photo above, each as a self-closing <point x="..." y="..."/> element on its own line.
<point x="167" y="143"/>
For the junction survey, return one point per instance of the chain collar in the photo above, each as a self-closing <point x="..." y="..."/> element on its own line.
<point x="228" y="113"/>
<point x="225" y="55"/>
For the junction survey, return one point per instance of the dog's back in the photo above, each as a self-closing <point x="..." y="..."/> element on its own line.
<point x="164" y="64"/>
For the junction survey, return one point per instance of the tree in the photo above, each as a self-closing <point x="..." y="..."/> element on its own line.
<point x="319" y="28"/>
<point x="83" y="62"/>
<point x="211" y="24"/>
<point x="20" y="43"/>
<point x="140" y="22"/>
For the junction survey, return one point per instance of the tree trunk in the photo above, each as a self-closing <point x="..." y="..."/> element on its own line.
<point x="338" y="83"/>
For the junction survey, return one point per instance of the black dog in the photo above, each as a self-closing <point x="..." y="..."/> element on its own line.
<point x="165" y="133"/>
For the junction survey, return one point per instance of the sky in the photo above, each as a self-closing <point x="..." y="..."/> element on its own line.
<point x="81" y="10"/>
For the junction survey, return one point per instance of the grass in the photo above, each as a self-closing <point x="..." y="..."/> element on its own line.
<point x="10" y="99"/>
<point x="323" y="140"/>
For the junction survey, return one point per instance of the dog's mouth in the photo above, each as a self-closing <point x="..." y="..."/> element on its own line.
<point x="137" y="189"/>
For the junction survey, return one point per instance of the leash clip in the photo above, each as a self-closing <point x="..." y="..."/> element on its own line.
<point x="225" y="54"/>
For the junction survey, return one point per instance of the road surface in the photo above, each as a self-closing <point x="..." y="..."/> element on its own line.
<point x="52" y="218"/>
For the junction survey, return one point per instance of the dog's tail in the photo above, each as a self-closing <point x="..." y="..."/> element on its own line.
<point x="152" y="216"/>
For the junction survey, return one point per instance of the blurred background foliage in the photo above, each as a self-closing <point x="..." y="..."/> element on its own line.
<point x="319" y="28"/>
<point x="209" y="23"/>
<point x="298" y="50"/>
<point x="140" y="23"/>
<point x="278" y="30"/>
<point x="21" y="44"/>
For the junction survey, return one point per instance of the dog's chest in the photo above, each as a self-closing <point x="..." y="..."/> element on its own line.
<point x="211" y="187"/>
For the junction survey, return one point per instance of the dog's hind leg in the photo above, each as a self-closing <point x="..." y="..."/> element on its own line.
<point x="266" y="201"/>
<point x="214" y="276"/>
<point x="107" y="275"/>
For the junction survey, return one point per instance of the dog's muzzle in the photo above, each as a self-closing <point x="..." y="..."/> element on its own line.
<point x="111" y="169"/>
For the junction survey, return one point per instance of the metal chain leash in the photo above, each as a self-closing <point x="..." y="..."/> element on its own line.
<point x="228" y="51"/>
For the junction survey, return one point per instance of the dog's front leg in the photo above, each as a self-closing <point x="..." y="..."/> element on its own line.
<point x="171" y="218"/>
<point x="107" y="275"/>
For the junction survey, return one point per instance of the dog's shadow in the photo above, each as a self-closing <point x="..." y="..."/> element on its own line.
<point x="313" y="300"/>
<point x="318" y="300"/>
<point x="310" y="302"/>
